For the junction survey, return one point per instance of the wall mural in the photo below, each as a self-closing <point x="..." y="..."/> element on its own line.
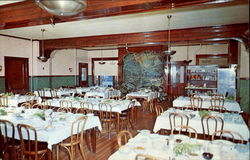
<point x="142" y="70"/>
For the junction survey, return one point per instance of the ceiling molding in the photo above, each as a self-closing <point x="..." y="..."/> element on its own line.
<point x="27" y="13"/>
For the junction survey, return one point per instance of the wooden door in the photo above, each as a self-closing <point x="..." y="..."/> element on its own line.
<point x="176" y="79"/>
<point x="16" y="75"/>
<point x="83" y="74"/>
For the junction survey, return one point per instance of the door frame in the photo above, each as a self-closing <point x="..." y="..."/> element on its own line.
<point x="83" y="65"/>
<point x="26" y="60"/>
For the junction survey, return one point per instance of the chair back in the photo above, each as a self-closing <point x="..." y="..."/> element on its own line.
<point x="41" y="92"/>
<point x="39" y="106"/>
<point x="216" y="95"/>
<point x="65" y="103"/>
<point x="63" y="109"/>
<point x="217" y="101"/>
<point x="227" y="135"/>
<point x="210" y="124"/>
<point x="158" y="110"/>
<point x="28" y="140"/>
<point x="105" y="111"/>
<point x="115" y="97"/>
<point x="26" y="105"/>
<point x="30" y="94"/>
<point x="88" y="106"/>
<point x="53" y="93"/>
<point x="123" y="137"/>
<point x="188" y="129"/>
<point x="77" y="130"/>
<point x="196" y="103"/>
<point x="177" y="119"/>
<point x="4" y="100"/>
<point x="7" y="135"/>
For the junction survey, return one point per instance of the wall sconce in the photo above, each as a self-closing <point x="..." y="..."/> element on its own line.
<point x="1" y="68"/>
<point x="70" y="69"/>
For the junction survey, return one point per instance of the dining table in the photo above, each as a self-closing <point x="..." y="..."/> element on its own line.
<point x="184" y="101"/>
<point x="147" y="95"/>
<point x="179" y="147"/>
<point x="232" y="121"/>
<point x="52" y="127"/>
<point x="17" y="99"/>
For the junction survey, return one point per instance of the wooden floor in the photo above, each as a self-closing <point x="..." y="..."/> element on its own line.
<point x="105" y="147"/>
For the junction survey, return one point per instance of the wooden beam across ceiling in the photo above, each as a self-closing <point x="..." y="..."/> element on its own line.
<point x="237" y="32"/>
<point x="27" y="13"/>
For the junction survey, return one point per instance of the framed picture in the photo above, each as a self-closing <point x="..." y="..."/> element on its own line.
<point x="220" y="59"/>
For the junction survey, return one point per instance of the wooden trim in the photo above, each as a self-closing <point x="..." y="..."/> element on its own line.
<point x="213" y="56"/>
<point x="2" y="76"/>
<point x="27" y="13"/>
<point x="55" y="76"/>
<point x="244" y="78"/>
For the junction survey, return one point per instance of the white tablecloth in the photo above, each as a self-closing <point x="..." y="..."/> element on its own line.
<point x="15" y="100"/>
<point x="230" y="105"/>
<point x="117" y="105"/>
<point x="140" y="94"/>
<point x="232" y="122"/>
<point x="62" y="124"/>
<point x="156" y="145"/>
<point x="60" y="92"/>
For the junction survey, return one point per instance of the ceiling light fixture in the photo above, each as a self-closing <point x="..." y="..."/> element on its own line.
<point x="42" y="57"/>
<point x="62" y="7"/>
<point x="102" y="62"/>
<point x="169" y="52"/>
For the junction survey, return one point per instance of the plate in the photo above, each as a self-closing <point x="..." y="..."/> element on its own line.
<point x="139" y="149"/>
<point x="145" y="132"/>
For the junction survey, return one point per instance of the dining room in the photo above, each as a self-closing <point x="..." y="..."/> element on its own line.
<point x="124" y="80"/>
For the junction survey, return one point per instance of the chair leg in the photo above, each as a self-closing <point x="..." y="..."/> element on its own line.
<point x="81" y="151"/>
<point x="57" y="152"/>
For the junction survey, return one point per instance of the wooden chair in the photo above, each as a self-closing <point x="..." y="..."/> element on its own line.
<point x="174" y="117"/>
<point x="65" y="103"/>
<point x="158" y="110"/>
<point x="152" y="104"/>
<point x="224" y="134"/>
<point x="123" y="137"/>
<point x="75" y="140"/>
<point x="4" y="101"/>
<point x="145" y="105"/>
<point x="39" y="106"/>
<point x="5" y="139"/>
<point x="26" y="105"/>
<point x="53" y="93"/>
<point x="115" y="97"/>
<point x="88" y="106"/>
<point x="196" y="103"/>
<point x="216" y="95"/>
<point x="30" y="149"/>
<point x="81" y="110"/>
<point x="145" y="157"/>
<point x="188" y="129"/>
<point x="107" y="117"/>
<point x="217" y="104"/>
<point x="41" y="92"/>
<point x="128" y="116"/>
<point x="63" y="109"/>
<point x="211" y="122"/>
<point x="30" y="94"/>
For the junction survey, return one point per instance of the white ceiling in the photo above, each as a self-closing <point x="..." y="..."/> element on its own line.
<point x="142" y="22"/>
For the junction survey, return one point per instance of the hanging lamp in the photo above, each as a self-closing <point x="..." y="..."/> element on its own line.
<point x="62" y="7"/>
<point x="169" y="52"/>
<point x="102" y="62"/>
<point x="42" y="57"/>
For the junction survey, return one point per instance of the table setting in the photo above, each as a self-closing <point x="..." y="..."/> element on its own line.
<point x="179" y="147"/>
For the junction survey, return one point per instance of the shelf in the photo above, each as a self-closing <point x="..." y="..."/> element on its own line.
<point x="200" y="88"/>
<point x="203" y="80"/>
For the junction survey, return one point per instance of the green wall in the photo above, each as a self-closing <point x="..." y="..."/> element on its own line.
<point x="244" y="95"/>
<point x="2" y="84"/>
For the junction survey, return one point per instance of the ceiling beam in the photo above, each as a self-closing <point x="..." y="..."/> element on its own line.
<point x="27" y="13"/>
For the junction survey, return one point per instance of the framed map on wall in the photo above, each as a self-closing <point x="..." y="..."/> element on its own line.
<point x="220" y="59"/>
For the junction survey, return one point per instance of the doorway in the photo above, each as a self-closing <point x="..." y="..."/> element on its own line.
<point x="16" y="75"/>
<point x="83" y="74"/>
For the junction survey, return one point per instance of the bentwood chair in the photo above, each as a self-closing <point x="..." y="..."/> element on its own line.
<point x="39" y="106"/>
<point x="30" y="148"/>
<point x="4" y="101"/>
<point x="128" y="116"/>
<point x="107" y="117"/>
<point x="158" y="110"/>
<point x="53" y="93"/>
<point x="7" y="137"/>
<point x="152" y="104"/>
<point x="188" y="129"/>
<point x="65" y="103"/>
<point x="63" y="109"/>
<point x="88" y="106"/>
<point x="177" y="119"/>
<point x="217" y="104"/>
<point x="30" y="94"/>
<point x="115" y="97"/>
<point x="41" y="92"/>
<point x="26" y="105"/>
<point x="75" y="140"/>
<point x="211" y="124"/>
<point x="123" y="137"/>
<point x="228" y="135"/>
<point x="196" y="103"/>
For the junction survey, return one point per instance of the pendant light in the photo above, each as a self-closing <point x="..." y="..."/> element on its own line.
<point x="42" y="57"/>
<point x="102" y="62"/>
<point x="62" y="7"/>
<point x="169" y="52"/>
